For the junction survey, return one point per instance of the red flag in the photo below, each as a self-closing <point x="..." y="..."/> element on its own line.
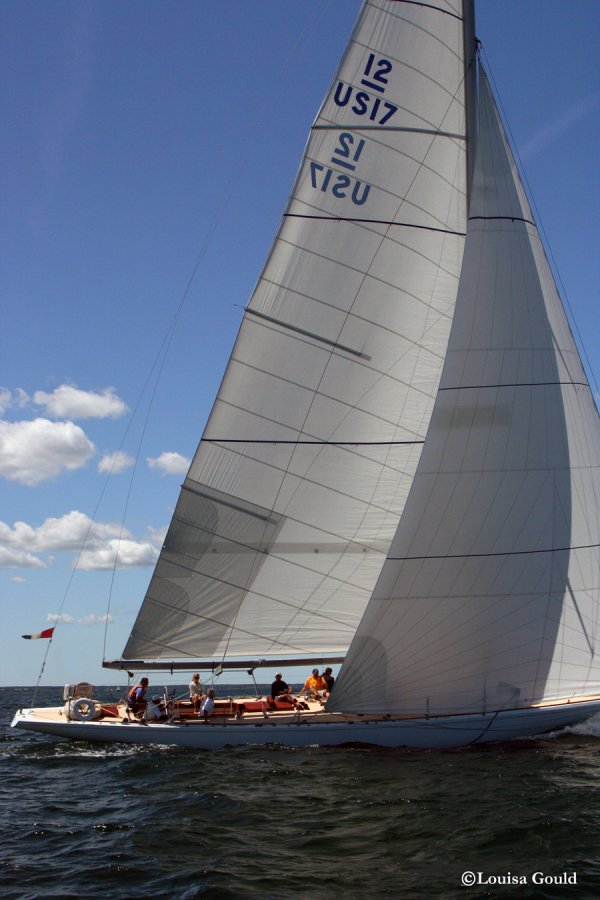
<point x="42" y="634"/>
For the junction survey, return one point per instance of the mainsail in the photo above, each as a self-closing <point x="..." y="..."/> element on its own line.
<point x="489" y="598"/>
<point x="296" y="489"/>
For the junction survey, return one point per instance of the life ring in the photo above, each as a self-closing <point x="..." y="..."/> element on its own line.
<point x="83" y="710"/>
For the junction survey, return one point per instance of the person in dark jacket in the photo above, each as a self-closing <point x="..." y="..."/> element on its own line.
<point x="280" y="690"/>
<point x="329" y="680"/>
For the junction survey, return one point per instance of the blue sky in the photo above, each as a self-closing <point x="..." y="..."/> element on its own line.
<point x="148" y="140"/>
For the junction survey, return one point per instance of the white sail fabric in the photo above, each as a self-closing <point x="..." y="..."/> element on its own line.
<point x="295" y="492"/>
<point x="490" y="596"/>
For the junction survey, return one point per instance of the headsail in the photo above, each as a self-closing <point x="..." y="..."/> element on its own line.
<point x="490" y="595"/>
<point x="295" y="492"/>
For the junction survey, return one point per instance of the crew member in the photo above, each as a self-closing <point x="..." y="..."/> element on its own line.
<point x="135" y="698"/>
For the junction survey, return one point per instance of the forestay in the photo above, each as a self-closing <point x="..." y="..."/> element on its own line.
<point x="297" y="486"/>
<point x="490" y="596"/>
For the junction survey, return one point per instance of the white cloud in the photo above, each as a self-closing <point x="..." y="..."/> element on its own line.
<point x="130" y="553"/>
<point x="13" y="558"/>
<point x="18" y="579"/>
<point x="21" y="398"/>
<point x="92" y="619"/>
<point x="8" y="400"/>
<point x="5" y="400"/>
<point x="22" y="545"/>
<point x="169" y="463"/>
<point x="65" y="533"/>
<point x="60" y="619"/>
<point x="32" y="452"/>
<point x="113" y="463"/>
<point x="68" y="401"/>
<point x="66" y="619"/>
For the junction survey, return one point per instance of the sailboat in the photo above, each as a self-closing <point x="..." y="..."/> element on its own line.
<point x="401" y="469"/>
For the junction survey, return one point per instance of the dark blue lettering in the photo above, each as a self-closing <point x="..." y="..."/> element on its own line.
<point x="342" y="181"/>
<point x="326" y="180"/>
<point x="391" y="109"/>
<point x="361" y="107"/>
<point x="314" y="168"/>
<point x="373" y="115"/>
<point x="355" y="198"/>
<point x="345" y="139"/>
<point x="342" y="101"/>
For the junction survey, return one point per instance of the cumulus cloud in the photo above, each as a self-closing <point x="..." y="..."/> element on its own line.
<point x="113" y="463"/>
<point x="13" y="558"/>
<point x="127" y="553"/>
<point x="18" y="579"/>
<point x="32" y="452"/>
<point x="169" y="463"/>
<point x="68" y="532"/>
<point x="69" y="402"/>
<point x="22" y="545"/>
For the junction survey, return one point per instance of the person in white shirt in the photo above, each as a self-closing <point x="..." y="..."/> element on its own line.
<point x="208" y="706"/>
<point x="196" y="691"/>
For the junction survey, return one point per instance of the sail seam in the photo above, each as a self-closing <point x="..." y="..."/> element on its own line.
<point x="402" y="128"/>
<point x="366" y="273"/>
<point x="386" y="222"/>
<point x="217" y="440"/>
<point x="427" y="6"/>
<point x="486" y="555"/>
<point x="477" y="387"/>
<point x="342" y="403"/>
<point x="503" y="219"/>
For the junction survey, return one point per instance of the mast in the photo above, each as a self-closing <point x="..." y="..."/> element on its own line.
<point x="470" y="60"/>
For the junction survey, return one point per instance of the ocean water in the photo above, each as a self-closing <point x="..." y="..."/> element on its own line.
<point x="120" y="821"/>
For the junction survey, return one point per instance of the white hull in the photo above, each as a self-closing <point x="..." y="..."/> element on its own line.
<point x="319" y="729"/>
